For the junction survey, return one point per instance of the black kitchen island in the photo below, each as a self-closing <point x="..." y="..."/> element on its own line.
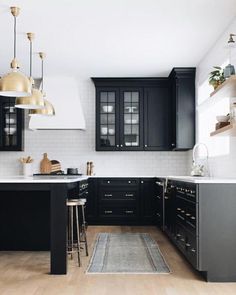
<point x="54" y="192"/>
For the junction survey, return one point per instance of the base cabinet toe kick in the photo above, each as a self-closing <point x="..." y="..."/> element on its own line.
<point x="200" y="220"/>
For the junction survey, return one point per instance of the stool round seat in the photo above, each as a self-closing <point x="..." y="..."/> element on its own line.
<point x="75" y="202"/>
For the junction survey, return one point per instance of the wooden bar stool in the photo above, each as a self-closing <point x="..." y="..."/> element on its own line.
<point x="83" y="236"/>
<point x="74" y="240"/>
<point x="73" y="213"/>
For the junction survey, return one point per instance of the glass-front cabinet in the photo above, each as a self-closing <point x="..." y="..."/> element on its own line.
<point x="11" y="131"/>
<point x="107" y="119"/>
<point x="119" y="121"/>
<point x="131" y="120"/>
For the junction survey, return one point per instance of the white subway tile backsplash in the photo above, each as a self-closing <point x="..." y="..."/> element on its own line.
<point x="73" y="148"/>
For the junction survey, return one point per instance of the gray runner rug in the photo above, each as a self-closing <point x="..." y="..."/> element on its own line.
<point x="133" y="253"/>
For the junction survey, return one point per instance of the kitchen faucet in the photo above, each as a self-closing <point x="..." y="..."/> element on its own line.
<point x="199" y="169"/>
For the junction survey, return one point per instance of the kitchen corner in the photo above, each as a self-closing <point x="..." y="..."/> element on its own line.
<point x="117" y="148"/>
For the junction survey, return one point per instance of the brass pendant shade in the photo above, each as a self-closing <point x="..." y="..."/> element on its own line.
<point x="35" y="100"/>
<point x="15" y="83"/>
<point x="48" y="110"/>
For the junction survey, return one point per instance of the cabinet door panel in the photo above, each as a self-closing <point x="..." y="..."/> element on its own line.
<point x="131" y="119"/>
<point x="12" y="123"/>
<point x="107" y="110"/>
<point x="156" y="118"/>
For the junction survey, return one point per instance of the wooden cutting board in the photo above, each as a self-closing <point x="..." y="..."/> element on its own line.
<point x="45" y="165"/>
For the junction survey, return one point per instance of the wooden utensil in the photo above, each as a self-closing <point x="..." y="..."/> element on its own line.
<point x="45" y="165"/>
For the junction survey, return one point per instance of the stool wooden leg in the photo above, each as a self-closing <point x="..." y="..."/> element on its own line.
<point x="84" y="231"/>
<point x="78" y="234"/>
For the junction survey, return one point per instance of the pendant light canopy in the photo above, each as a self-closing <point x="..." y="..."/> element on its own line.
<point x="35" y="100"/>
<point x="15" y="83"/>
<point x="48" y="109"/>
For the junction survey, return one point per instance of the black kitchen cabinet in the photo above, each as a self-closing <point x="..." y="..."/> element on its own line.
<point x="158" y="204"/>
<point x="132" y="114"/>
<point x="157" y="116"/>
<point x="119" y="116"/>
<point x="12" y="125"/>
<point x="91" y="204"/>
<point x="147" y="200"/>
<point x="118" y="201"/>
<point x="182" y="91"/>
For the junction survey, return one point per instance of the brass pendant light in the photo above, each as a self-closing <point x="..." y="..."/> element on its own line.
<point x="35" y="101"/>
<point x="15" y="83"/>
<point x="48" y="109"/>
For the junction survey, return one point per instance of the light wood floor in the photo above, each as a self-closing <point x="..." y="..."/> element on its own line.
<point x="26" y="273"/>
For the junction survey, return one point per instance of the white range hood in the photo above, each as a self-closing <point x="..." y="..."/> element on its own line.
<point x="63" y="93"/>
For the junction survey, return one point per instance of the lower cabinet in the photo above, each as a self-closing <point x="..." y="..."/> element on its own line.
<point x="118" y="200"/>
<point x="91" y="204"/>
<point x="127" y="201"/>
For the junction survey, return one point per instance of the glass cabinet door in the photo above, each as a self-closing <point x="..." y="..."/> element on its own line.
<point x="131" y="119"/>
<point x="11" y="125"/>
<point x="107" y="127"/>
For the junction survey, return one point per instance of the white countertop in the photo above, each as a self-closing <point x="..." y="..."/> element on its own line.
<point x="71" y="178"/>
<point x="42" y="179"/>
<point x="198" y="179"/>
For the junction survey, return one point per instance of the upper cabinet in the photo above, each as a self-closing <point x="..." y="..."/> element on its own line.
<point x="132" y="114"/>
<point x="146" y="114"/>
<point x="156" y="116"/>
<point x="12" y="125"/>
<point x="182" y="91"/>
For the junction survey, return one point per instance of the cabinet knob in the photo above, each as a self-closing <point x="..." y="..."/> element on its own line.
<point x="129" y="181"/>
<point x="117" y="145"/>
<point x="108" y="181"/>
<point x="121" y="145"/>
<point x="145" y="145"/>
<point x="173" y="144"/>
<point x="142" y="181"/>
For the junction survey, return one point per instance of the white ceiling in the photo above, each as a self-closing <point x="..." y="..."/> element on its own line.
<point x="114" y="37"/>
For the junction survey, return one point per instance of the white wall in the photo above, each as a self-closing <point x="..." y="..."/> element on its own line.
<point x="222" y="149"/>
<point x="73" y="148"/>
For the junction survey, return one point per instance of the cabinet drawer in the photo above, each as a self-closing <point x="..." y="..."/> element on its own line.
<point x="116" y="182"/>
<point x="117" y="195"/>
<point x="109" y="211"/>
<point x="191" y="249"/>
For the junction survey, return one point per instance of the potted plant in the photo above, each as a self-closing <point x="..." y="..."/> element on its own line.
<point x="216" y="77"/>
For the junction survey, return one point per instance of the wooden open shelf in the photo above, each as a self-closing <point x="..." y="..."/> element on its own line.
<point x="225" y="131"/>
<point x="228" y="88"/>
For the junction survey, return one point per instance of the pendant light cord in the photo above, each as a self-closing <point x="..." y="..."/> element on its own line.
<point x="14" y="37"/>
<point x="42" y="75"/>
<point x="31" y="59"/>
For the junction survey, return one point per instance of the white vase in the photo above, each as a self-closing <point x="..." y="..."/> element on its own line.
<point x="27" y="169"/>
